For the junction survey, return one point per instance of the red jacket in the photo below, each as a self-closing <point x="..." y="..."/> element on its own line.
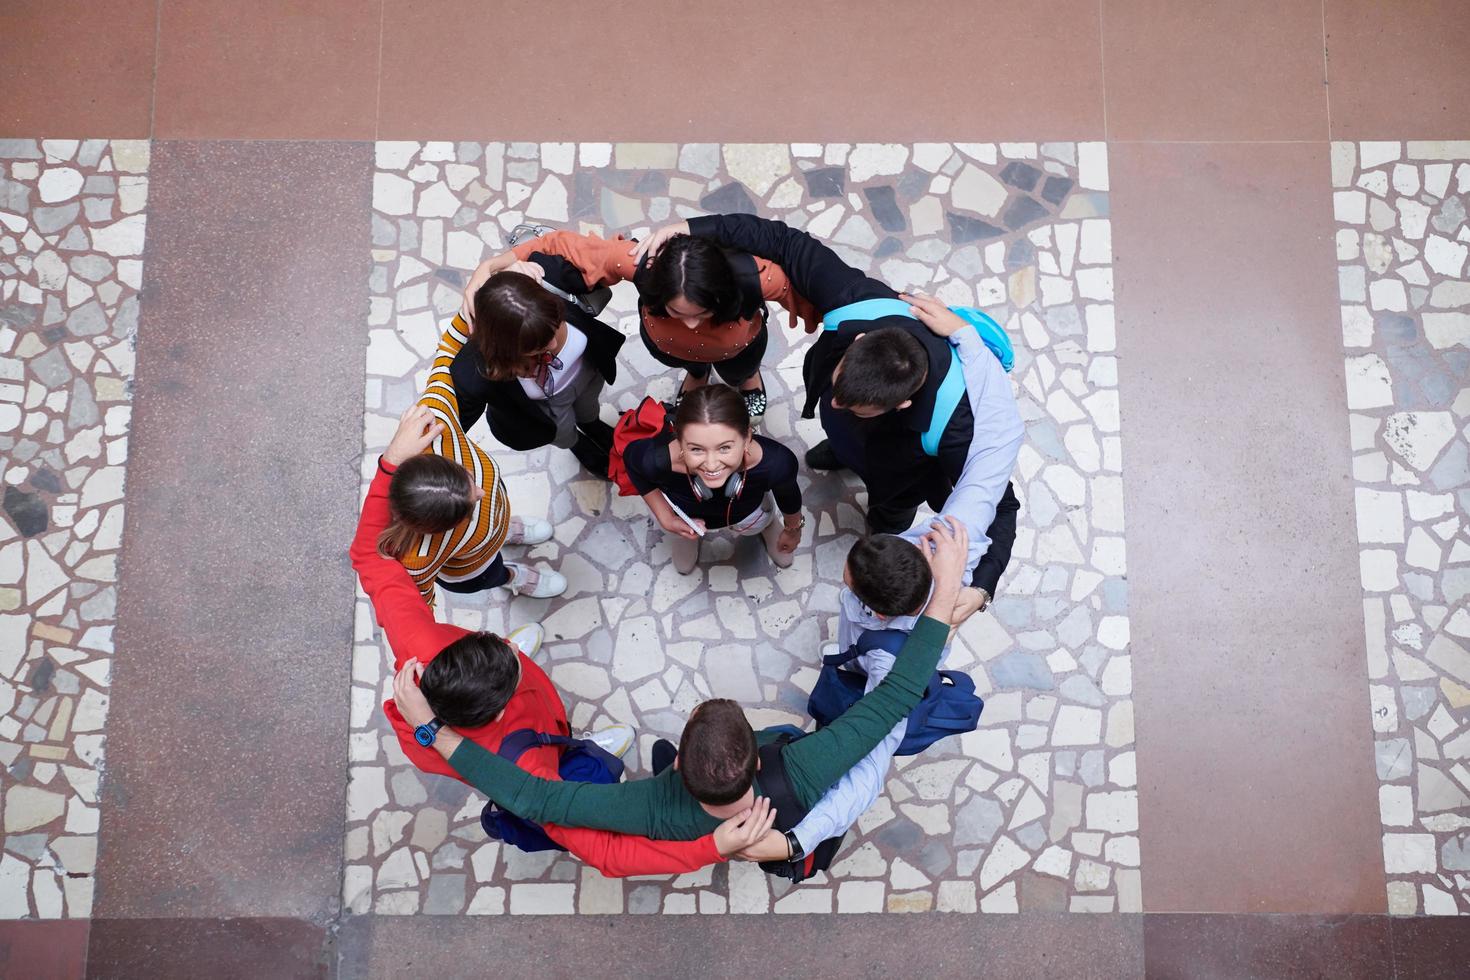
<point x="413" y="632"/>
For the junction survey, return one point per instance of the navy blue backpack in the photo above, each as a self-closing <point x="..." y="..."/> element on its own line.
<point x="581" y="762"/>
<point x="950" y="705"/>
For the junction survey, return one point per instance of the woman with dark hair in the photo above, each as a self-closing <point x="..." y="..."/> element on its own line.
<point x="712" y="473"/>
<point x="449" y="508"/>
<point x="701" y="307"/>
<point x="537" y="365"/>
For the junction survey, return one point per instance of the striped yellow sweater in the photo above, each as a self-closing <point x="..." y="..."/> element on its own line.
<point x="465" y="549"/>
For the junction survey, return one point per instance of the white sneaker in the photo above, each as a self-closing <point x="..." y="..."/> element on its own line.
<point x="528" y="530"/>
<point x="535" y="583"/>
<point x="527" y="638"/>
<point x="616" y="739"/>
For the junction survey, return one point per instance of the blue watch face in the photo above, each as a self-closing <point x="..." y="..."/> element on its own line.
<point x="424" y="734"/>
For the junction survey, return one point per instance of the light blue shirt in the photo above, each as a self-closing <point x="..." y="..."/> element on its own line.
<point x="993" y="449"/>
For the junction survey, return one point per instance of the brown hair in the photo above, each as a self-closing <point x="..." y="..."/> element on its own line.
<point x="717" y="753"/>
<point x="427" y="494"/>
<point x="713" y="404"/>
<point x="514" y="318"/>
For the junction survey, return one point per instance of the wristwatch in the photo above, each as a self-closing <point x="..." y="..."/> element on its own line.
<point x="984" y="599"/>
<point x="424" y="734"/>
<point x="797" y="851"/>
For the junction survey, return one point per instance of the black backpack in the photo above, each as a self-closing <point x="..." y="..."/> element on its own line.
<point x="790" y="812"/>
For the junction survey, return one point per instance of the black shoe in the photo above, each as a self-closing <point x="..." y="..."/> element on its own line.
<point x="598" y="431"/>
<point x="821" y="457"/>
<point x="663" y="755"/>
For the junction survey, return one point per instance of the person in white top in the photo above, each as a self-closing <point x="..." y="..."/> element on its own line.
<point x="537" y="365"/>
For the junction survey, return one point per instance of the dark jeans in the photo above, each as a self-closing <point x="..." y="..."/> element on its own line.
<point x="1002" y="534"/>
<point x="734" y="372"/>
<point x="494" y="575"/>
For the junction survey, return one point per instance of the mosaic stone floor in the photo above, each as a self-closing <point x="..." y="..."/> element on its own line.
<point x="1036" y="810"/>
<point x="71" y="245"/>
<point x="1402" y="243"/>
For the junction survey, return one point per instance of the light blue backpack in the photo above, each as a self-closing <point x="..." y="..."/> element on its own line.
<point x="952" y="388"/>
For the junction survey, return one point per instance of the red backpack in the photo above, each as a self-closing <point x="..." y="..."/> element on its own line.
<point x="649" y="419"/>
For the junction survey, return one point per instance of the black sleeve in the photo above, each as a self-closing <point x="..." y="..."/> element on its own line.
<point x="1002" y="532"/>
<point x="815" y="270"/>
<point x="561" y="273"/>
<point x="641" y="459"/>
<point x="471" y="388"/>
<point x="782" y="474"/>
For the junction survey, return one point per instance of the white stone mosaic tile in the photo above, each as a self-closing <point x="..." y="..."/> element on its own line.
<point x="1402" y="243"/>
<point x="71" y="259"/>
<point x="1038" y="809"/>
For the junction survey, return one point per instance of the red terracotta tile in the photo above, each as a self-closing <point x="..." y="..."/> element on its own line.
<point x="74" y="68"/>
<point x="1267" y="946"/>
<point x="768" y="70"/>
<point x="1249" y="70"/>
<point x="738" y="946"/>
<point x="53" y="949"/>
<point x="1257" y="789"/>
<point x="1398" y="70"/>
<point x="269" y="70"/>
<point x="227" y="724"/>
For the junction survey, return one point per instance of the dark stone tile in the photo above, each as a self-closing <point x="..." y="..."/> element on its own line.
<point x="45" y="949"/>
<point x="885" y="208"/>
<point x="222" y="949"/>
<point x="730" y="199"/>
<point x="28" y="511"/>
<point x="1055" y="190"/>
<point x="888" y="246"/>
<point x="826" y="182"/>
<point x="1266" y="946"/>
<point x="964" y="229"/>
<point x="1021" y="176"/>
<point x="1021" y="212"/>
<point x="226" y="739"/>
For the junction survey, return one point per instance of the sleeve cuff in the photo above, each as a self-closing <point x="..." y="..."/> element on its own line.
<point x="386" y="467"/>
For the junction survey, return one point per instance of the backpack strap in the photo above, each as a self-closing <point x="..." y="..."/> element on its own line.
<point x="946" y="400"/>
<point x="518" y="742"/>
<point x="789" y="811"/>
<point x="866" y="309"/>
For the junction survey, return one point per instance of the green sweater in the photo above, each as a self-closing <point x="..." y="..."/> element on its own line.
<point x="661" y="808"/>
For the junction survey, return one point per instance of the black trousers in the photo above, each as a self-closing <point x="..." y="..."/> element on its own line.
<point x="890" y="519"/>
<point x="734" y="371"/>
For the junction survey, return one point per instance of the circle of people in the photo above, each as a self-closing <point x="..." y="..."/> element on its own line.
<point x="912" y="396"/>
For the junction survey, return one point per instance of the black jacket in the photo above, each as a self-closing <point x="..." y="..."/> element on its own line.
<point x="515" y="418"/>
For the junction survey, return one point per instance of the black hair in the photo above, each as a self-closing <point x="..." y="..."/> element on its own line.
<point x="889" y="575"/>
<point x="882" y="369"/>
<point x="470" y="681"/>
<point x="696" y="269"/>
